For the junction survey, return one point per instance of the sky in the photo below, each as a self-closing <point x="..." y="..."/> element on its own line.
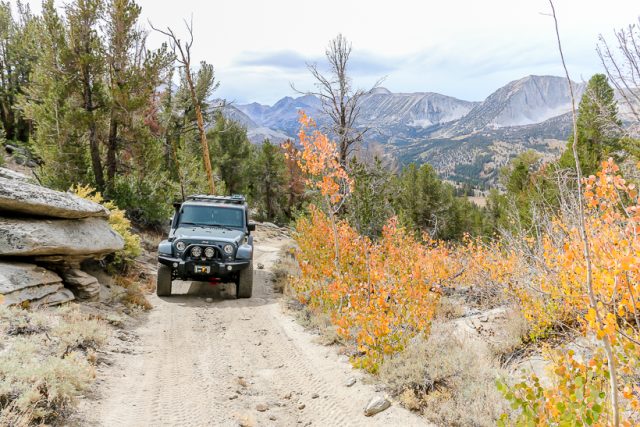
<point x="461" y="48"/>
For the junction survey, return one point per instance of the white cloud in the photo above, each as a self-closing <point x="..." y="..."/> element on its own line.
<point x="464" y="48"/>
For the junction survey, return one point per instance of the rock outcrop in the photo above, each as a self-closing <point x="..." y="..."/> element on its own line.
<point x="84" y="286"/>
<point x="25" y="282"/>
<point x="9" y="174"/>
<point x="91" y="237"/>
<point x="20" y="196"/>
<point x="44" y="235"/>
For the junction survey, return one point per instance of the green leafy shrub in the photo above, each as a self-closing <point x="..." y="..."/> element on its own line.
<point x="119" y="222"/>
<point x="145" y="200"/>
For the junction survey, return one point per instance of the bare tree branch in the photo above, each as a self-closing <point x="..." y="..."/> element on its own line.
<point x="184" y="58"/>
<point x="582" y="227"/>
<point x="340" y="102"/>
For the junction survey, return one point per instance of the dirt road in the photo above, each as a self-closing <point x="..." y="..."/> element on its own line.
<point x="230" y="362"/>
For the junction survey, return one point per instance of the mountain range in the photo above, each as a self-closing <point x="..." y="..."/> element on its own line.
<point x="465" y="141"/>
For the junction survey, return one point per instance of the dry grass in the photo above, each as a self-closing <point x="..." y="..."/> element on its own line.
<point x="46" y="360"/>
<point x="508" y="344"/>
<point x="284" y="268"/>
<point x="134" y="290"/>
<point x="150" y="239"/>
<point x="319" y="323"/>
<point x="450" y="308"/>
<point x="78" y="331"/>
<point x="450" y="380"/>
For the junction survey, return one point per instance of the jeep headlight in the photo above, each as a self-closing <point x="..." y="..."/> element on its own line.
<point x="196" y="251"/>
<point x="181" y="246"/>
<point x="209" y="252"/>
<point x="228" y="249"/>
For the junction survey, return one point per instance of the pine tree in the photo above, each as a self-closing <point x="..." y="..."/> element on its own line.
<point x="369" y="206"/>
<point x="85" y="63"/>
<point x="598" y="127"/>
<point x="50" y="103"/>
<point x="18" y="53"/>
<point x="269" y="179"/>
<point x="425" y="204"/>
<point x="231" y="153"/>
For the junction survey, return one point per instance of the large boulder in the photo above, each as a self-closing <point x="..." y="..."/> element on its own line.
<point x="9" y="174"/>
<point x="16" y="195"/>
<point x="81" y="237"/>
<point x="25" y="282"/>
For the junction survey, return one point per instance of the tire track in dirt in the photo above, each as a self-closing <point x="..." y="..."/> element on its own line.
<point x="211" y="364"/>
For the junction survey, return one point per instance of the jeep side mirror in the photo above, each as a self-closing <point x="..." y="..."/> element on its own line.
<point x="171" y="221"/>
<point x="251" y="226"/>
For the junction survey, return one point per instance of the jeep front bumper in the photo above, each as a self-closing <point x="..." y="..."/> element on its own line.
<point x="217" y="268"/>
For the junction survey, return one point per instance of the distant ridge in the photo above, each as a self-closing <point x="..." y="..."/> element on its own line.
<point x="464" y="140"/>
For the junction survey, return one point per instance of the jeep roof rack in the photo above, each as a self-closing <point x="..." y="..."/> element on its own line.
<point x="236" y="199"/>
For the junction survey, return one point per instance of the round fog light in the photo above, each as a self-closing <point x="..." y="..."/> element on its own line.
<point x="175" y="265"/>
<point x="196" y="251"/>
<point x="209" y="252"/>
<point x="229" y="267"/>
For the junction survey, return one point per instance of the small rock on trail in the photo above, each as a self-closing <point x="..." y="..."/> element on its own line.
<point x="376" y="405"/>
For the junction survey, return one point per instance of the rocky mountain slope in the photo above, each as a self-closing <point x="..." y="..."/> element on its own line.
<point x="530" y="100"/>
<point x="463" y="140"/>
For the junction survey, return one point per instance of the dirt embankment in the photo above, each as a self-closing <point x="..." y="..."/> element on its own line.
<point x="229" y="362"/>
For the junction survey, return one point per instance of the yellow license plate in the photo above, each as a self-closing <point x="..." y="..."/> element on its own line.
<point x="202" y="269"/>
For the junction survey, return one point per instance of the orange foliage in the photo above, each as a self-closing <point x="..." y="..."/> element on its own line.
<point x="378" y="294"/>
<point x="319" y="160"/>
<point x="383" y="293"/>
<point x="612" y="225"/>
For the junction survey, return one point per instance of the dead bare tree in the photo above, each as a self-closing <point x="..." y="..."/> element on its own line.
<point x="182" y="52"/>
<point x="582" y="228"/>
<point x="340" y="101"/>
<point x="623" y="65"/>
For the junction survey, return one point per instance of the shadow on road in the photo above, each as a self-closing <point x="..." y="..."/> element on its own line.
<point x="196" y="294"/>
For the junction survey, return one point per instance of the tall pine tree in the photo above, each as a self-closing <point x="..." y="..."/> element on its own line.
<point x="598" y="127"/>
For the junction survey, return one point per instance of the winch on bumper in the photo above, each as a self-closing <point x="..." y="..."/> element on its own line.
<point x="187" y="269"/>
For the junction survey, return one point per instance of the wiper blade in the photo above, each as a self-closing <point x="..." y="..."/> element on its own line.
<point x="221" y="226"/>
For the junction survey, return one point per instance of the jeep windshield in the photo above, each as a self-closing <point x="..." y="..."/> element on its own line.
<point x="211" y="216"/>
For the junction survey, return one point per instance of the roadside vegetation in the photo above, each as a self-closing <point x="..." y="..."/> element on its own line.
<point x="47" y="360"/>
<point x="389" y="291"/>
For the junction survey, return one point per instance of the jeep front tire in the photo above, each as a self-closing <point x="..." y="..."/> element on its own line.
<point x="244" y="287"/>
<point x="163" y="284"/>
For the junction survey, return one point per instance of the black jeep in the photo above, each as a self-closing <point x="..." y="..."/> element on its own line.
<point x="210" y="238"/>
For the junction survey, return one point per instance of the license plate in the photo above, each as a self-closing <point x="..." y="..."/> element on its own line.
<point x="202" y="269"/>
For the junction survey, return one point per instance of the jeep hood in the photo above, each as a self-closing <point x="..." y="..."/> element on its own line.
<point x="197" y="234"/>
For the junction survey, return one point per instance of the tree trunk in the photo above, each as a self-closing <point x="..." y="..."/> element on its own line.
<point x="112" y="148"/>
<point x="203" y="135"/>
<point x="94" y="146"/>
